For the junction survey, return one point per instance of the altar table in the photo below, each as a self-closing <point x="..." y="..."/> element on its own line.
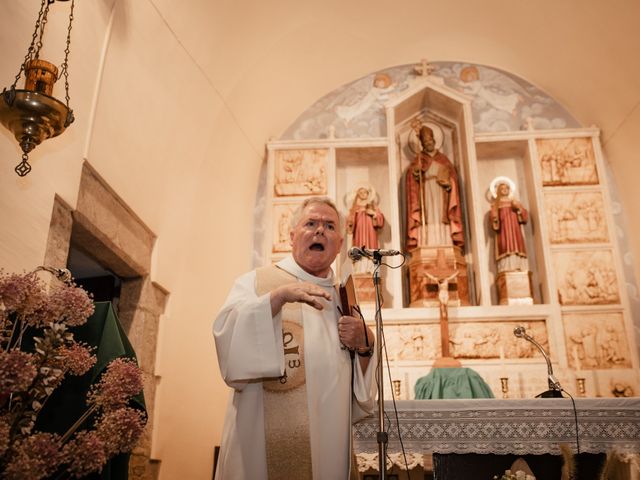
<point x="497" y="426"/>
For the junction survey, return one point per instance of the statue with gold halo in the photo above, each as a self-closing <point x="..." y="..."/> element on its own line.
<point x="506" y="217"/>
<point x="364" y="221"/>
<point x="365" y="218"/>
<point x="434" y="211"/>
<point x="434" y="226"/>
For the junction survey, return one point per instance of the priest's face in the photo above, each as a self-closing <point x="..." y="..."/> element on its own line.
<point x="316" y="239"/>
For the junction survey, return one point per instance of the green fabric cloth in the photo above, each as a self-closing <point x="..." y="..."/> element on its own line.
<point x="67" y="403"/>
<point x="452" y="383"/>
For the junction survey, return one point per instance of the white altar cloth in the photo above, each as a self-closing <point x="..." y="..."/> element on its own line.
<point x="513" y="426"/>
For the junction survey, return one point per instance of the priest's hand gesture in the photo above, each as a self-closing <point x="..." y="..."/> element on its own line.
<point x="298" y="292"/>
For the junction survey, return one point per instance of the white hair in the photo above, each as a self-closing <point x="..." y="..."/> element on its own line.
<point x="297" y="214"/>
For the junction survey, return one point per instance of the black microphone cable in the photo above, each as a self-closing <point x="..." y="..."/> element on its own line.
<point x="393" y="396"/>
<point x="575" y="416"/>
<point x="380" y="302"/>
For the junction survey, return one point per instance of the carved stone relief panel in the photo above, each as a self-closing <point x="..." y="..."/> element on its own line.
<point x="282" y="214"/>
<point x="586" y="277"/>
<point x="301" y="172"/>
<point x="621" y="388"/>
<point x="576" y="217"/>
<point x="412" y="342"/>
<point x="473" y="340"/>
<point x="596" y="340"/>
<point x="493" y="339"/>
<point x="567" y="161"/>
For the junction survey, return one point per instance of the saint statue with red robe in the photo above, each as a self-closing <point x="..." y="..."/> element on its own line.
<point x="434" y="209"/>
<point x="507" y="215"/>
<point x="364" y="219"/>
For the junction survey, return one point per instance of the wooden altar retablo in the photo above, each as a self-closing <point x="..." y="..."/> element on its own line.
<point x="441" y="261"/>
<point x="514" y="288"/>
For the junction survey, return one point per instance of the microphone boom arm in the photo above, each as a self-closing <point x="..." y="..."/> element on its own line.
<point x="554" y="385"/>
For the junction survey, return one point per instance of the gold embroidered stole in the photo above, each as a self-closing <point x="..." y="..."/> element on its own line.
<point x="286" y="412"/>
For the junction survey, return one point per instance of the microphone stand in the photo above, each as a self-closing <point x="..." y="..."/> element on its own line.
<point x="555" y="390"/>
<point x="382" y="437"/>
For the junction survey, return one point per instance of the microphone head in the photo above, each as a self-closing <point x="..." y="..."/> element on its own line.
<point x="519" y="332"/>
<point x="354" y="254"/>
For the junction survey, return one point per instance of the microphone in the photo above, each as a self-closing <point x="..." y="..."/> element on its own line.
<point x="554" y="385"/>
<point x="356" y="253"/>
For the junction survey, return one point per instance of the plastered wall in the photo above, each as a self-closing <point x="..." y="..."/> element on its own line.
<point x="174" y="102"/>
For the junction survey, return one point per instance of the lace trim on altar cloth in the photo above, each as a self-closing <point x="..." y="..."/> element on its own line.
<point x="369" y="461"/>
<point x="526" y="427"/>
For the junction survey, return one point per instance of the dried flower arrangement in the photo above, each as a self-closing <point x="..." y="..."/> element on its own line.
<point x="517" y="475"/>
<point x="29" y="374"/>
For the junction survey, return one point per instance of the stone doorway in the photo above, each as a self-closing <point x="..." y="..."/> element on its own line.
<point x="106" y="229"/>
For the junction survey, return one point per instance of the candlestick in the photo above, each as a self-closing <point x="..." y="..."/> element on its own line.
<point x="580" y="385"/>
<point x="504" y="384"/>
<point x="396" y="388"/>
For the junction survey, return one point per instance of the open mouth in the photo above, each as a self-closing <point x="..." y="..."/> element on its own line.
<point x="317" y="247"/>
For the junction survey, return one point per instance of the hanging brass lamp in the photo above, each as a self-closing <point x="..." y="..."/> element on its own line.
<point x="32" y="114"/>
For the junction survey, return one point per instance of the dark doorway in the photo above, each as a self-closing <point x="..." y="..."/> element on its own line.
<point x="101" y="282"/>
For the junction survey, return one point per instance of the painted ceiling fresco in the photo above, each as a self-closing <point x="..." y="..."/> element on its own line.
<point x="500" y="102"/>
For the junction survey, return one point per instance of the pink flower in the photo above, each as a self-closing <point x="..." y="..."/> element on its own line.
<point x="77" y="358"/>
<point x="17" y="371"/>
<point x="120" y="429"/>
<point x="34" y="457"/>
<point x="121" y="381"/>
<point x="70" y="305"/>
<point x="84" y="454"/>
<point x="23" y="295"/>
<point x="24" y="455"/>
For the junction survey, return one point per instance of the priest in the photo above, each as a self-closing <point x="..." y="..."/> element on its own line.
<point x="301" y="372"/>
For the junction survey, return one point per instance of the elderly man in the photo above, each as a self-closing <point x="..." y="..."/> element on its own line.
<point x="280" y="343"/>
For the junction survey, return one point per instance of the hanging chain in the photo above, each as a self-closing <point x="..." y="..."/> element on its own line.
<point x="64" y="68"/>
<point x="33" y="47"/>
<point x="43" y="25"/>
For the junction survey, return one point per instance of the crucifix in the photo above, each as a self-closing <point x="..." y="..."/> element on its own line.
<point x="442" y="278"/>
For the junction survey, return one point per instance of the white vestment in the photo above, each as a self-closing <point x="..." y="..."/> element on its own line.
<point x="249" y="346"/>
